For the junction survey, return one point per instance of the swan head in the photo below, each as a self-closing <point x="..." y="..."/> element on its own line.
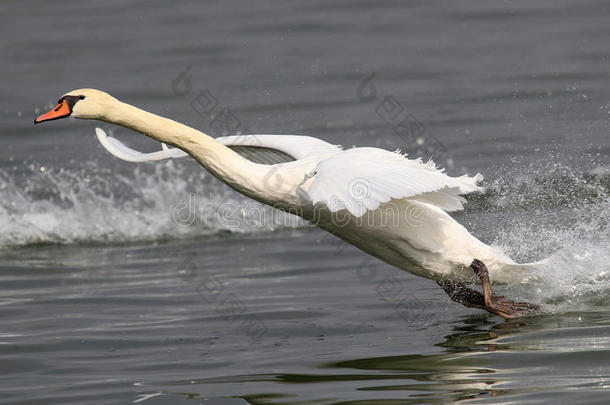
<point x="81" y="103"/>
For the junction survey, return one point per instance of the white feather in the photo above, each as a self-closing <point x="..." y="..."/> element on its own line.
<point x="361" y="179"/>
<point x="122" y="151"/>
<point x="296" y="146"/>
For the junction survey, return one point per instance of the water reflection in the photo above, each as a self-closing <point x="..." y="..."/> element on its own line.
<point x="520" y="359"/>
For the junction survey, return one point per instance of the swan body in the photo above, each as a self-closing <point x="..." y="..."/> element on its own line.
<point x="389" y="206"/>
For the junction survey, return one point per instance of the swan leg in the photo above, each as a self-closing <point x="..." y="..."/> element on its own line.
<point x="458" y="292"/>
<point x="497" y="304"/>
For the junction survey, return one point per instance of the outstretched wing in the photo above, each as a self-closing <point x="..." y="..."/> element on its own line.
<point x="263" y="149"/>
<point x="362" y="179"/>
<point x="123" y="152"/>
<point x="296" y="146"/>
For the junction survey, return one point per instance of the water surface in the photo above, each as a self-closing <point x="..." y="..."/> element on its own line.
<point x="107" y="299"/>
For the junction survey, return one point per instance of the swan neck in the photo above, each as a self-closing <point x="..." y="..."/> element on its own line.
<point x="225" y="164"/>
<point x="160" y="128"/>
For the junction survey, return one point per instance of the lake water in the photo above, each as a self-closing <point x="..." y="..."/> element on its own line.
<point x="107" y="299"/>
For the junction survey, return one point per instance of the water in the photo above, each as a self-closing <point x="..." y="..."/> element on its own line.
<point x="106" y="298"/>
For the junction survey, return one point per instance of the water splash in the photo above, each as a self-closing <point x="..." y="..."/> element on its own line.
<point x="556" y="212"/>
<point x="545" y="209"/>
<point x="89" y="204"/>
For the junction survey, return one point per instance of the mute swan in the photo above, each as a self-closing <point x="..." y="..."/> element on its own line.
<point x="389" y="206"/>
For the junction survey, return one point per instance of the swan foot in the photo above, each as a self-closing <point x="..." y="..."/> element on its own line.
<point x="498" y="304"/>
<point x="458" y="292"/>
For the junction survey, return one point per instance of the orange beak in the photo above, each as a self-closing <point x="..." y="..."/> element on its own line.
<point x="62" y="110"/>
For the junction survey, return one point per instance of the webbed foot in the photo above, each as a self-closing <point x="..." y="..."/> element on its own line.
<point x="498" y="304"/>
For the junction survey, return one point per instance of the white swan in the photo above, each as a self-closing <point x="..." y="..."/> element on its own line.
<point x="389" y="206"/>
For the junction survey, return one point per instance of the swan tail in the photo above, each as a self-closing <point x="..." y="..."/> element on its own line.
<point x="522" y="272"/>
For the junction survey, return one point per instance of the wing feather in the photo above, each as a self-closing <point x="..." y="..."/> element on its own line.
<point x="263" y="149"/>
<point x="361" y="179"/>
<point x="123" y="152"/>
<point x="357" y="179"/>
<point x="262" y="155"/>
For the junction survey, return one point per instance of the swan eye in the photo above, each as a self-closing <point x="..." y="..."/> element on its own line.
<point x="81" y="97"/>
